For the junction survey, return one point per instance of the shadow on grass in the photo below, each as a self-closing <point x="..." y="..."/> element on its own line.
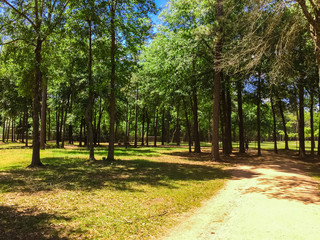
<point x="28" y="224"/>
<point x="78" y="174"/>
<point x="119" y="152"/>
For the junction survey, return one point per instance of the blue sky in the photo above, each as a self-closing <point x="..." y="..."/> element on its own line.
<point x="161" y="4"/>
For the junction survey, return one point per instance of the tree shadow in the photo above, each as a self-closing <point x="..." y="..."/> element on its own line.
<point x="16" y="225"/>
<point x="78" y="174"/>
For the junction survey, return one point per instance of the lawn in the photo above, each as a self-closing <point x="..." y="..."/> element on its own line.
<point x="139" y="196"/>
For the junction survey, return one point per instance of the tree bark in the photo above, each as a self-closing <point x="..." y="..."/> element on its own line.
<point x="36" y="107"/>
<point x="4" y="130"/>
<point x="163" y="129"/>
<point x="49" y="125"/>
<point x="126" y="143"/>
<point x="112" y="83"/>
<point x="196" y="134"/>
<point x="311" y="121"/>
<point x="228" y="117"/>
<point x="136" y="120"/>
<point x="275" y="148"/>
<point x="240" y="118"/>
<point x="89" y="109"/>
<point x="156" y="128"/>
<point x="178" y="127"/>
<point x="148" y="125"/>
<point x="258" y="114"/>
<point x="143" y="123"/>
<point x="302" y="151"/>
<point x="43" y="115"/>
<point x="27" y="128"/>
<point x="80" y="137"/>
<point x="215" y="155"/>
<point x="188" y="125"/>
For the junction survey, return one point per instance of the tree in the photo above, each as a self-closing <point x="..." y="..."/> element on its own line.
<point x="33" y="27"/>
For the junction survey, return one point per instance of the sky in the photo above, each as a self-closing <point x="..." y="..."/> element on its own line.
<point x="160" y="4"/>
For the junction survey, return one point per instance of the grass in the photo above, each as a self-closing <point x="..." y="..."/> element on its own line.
<point x="139" y="196"/>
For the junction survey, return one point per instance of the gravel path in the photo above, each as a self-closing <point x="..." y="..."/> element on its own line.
<point x="270" y="197"/>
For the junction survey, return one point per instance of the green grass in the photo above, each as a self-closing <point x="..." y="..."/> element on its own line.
<point x="140" y="195"/>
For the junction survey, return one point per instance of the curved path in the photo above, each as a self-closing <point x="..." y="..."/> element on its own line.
<point x="270" y="197"/>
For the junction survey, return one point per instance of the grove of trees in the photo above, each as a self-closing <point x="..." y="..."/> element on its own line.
<point x="219" y="71"/>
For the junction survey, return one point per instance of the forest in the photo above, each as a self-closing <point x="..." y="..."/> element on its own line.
<point x="103" y="85"/>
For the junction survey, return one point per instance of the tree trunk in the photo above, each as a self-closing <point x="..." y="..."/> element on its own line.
<point x="240" y="118"/>
<point x="23" y="127"/>
<point x="228" y="117"/>
<point x="49" y="125"/>
<point x="148" y="124"/>
<point x="57" y="127"/>
<point x="302" y="151"/>
<point x="126" y="142"/>
<point x="80" y="137"/>
<point x="12" y="131"/>
<point x="311" y="121"/>
<point x="275" y="149"/>
<point x="223" y="117"/>
<point x="196" y="135"/>
<point x="215" y="155"/>
<point x="36" y="107"/>
<point x="136" y="120"/>
<point x="8" y="130"/>
<point x="43" y="115"/>
<point x="258" y="114"/>
<point x="4" y="130"/>
<point x="156" y="128"/>
<point x="112" y="83"/>
<point x="27" y="128"/>
<point x="187" y="125"/>
<point x="163" y="129"/>
<point x="286" y="138"/>
<point x="143" y="122"/>
<point x="89" y="109"/>
<point x="178" y="127"/>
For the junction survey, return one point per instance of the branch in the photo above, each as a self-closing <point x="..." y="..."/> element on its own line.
<point x="57" y="22"/>
<point x="16" y="40"/>
<point x="306" y="13"/>
<point x="20" y="13"/>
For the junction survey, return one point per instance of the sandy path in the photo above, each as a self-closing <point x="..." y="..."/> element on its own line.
<point x="269" y="198"/>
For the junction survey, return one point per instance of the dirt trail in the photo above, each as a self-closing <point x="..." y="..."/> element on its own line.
<point x="270" y="197"/>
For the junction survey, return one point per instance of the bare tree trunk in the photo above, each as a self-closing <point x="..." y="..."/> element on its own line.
<point x="27" y="128"/>
<point x="178" y="127"/>
<point x="275" y="149"/>
<point x="4" y="130"/>
<point x="36" y="107"/>
<point x="216" y="94"/>
<point x="89" y="110"/>
<point x="311" y="121"/>
<point x="163" y="129"/>
<point x="156" y="128"/>
<point x="188" y="125"/>
<point x="43" y="116"/>
<point x="126" y="143"/>
<point x="49" y="125"/>
<point x="112" y="83"/>
<point x="258" y="114"/>
<point x="57" y="128"/>
<point x="80" y="137"/>
<point x="286" y="138"/>
<point x="240" y="118"/>
<point x="148" y="124"/>
<point x="228" y="116"/>
<point x="12" y="131"/>
<point x="196" y="135"/>
<point x="143" y="123"/>
<point x="136" y="120"/>
<point x="302" y="151"/>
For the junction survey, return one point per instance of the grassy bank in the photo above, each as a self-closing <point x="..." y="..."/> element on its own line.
<point x="137" y="197"/>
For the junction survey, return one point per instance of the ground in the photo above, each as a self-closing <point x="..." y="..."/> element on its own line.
<point x="269" y="197"/>
<point x="147" y="191"/>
